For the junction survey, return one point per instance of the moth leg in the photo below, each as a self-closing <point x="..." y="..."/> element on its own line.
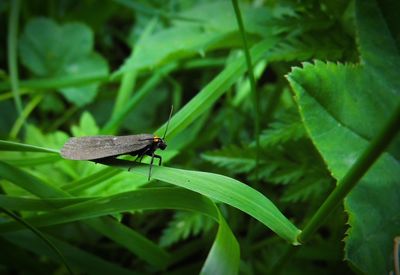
<point x="154" y="156"/>
<point x="140" y="157"/>
<point x="151" y="164"/>
<point x="159" y="159"/>
<point x="142" y="154"/>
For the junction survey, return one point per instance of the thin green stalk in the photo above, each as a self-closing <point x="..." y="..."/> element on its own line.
<point x="64" y="118"/>
<point x="7" y="95"/>
<point x="24" y="115"/>
<point x="252" y="82"/>
<point x="12" y="52"/>
<point x="57" y="82"/>
<point x="41" y="236"/>
<point x="114" y="123"/>
<point x="124" y="93"/>
<point x="360" y="167"/>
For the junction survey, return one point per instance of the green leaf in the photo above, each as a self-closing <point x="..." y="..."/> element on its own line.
<point x="41" y="236"/>
<point x="84" y="261"/>
<point x="157" y="198"/>
<point x="168" y="45"/>
<point x="209" y="29"/>
<point x="199" y="104"/>
<point x="87" y="126"/>
<point x="149" y="198"/>
<point x="136" y="243"/>
<point x="343" y="107"/>
<point x="28" y="182"/>
<point x="15" y="146"/>
<point x="30" y="204"/>
<point x="184" y="225"/>
<point x="223" y="254"/>
<point x="82" y="95"/>
<point x="341" y="129"/>
<point x="146" y="251"/>
<point x="51" y="50"/>
<point x="236" y="159"/>
<point x="284" y="129"/>
<point x="47" y="49"/>
<point x="226" y="190"/>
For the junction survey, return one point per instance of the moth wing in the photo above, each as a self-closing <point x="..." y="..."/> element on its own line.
<point x="95" y="147"/>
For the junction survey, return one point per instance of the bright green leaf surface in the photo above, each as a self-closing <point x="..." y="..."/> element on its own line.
<point x="226" y="190"/>
<point x="224" y="253"/>
<point x="343" y="108"/>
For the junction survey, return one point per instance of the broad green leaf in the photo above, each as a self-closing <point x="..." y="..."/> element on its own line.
<point x="50" y="50"/>
<point x="329" y="100"/>
<point x="168" y="45"/>
<point x="84" y="94"/>
<point x="343" y="107"/>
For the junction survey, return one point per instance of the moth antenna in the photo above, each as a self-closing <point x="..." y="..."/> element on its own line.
<point x="170" y="114"/>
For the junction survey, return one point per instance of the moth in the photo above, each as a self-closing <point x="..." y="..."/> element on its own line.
<point x="103" y="149"/>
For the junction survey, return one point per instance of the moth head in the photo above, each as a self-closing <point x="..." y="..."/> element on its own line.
<point x="160" y="142"/>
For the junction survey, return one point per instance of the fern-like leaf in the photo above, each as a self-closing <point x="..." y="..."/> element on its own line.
<point x="183" y="225"/>
<point x="286" y="128"/>
<point x="235" y="159"/>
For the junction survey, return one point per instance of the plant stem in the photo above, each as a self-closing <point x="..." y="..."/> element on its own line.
<point x="360" y="167"/>
<point x="115" y="122"/>
<point x="252" y="82"/>
<point x="24" y="115"/>
<point x="12" y="52"/>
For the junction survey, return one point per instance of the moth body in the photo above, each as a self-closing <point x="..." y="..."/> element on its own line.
<point x="98" y="148"/>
